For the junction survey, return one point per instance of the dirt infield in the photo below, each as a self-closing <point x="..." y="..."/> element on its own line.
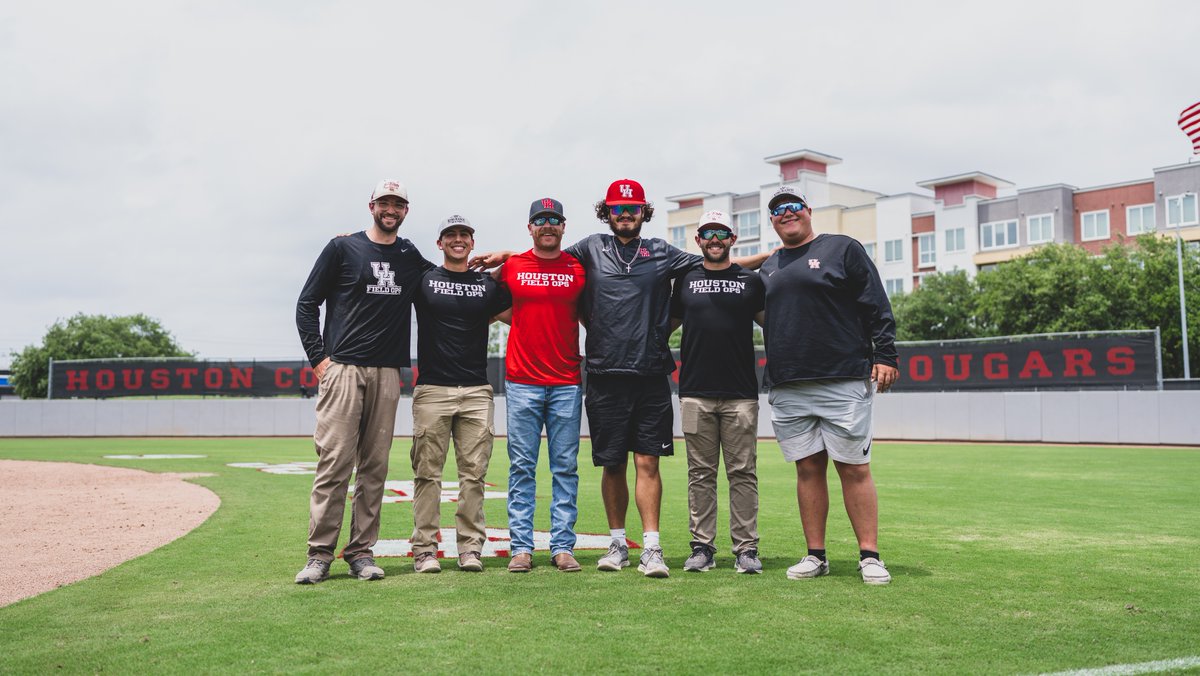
<point x="64" y="522"/>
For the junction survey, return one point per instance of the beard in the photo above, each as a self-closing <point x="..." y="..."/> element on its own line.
<point x="716" y="258"/>
<point x="628" y="229"/>
<point x="389" y="230"/>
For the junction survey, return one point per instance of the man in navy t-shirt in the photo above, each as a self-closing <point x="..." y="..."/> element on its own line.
<point x="453" y="397"/>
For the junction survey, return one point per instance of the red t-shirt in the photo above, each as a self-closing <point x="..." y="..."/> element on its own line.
<point x="543" y="345"/>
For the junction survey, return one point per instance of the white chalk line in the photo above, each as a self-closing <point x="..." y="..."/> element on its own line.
<point x="1140" y="668"/>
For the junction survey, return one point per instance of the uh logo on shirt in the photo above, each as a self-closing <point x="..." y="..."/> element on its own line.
<point x="386" y="277"/>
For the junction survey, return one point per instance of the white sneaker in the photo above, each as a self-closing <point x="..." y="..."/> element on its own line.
<point x="809" y="566"/>
<point x="652" y="564"/>
<point x="874" y="572"/>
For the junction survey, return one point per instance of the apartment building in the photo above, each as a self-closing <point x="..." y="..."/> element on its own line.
<point x="972" y="221"/>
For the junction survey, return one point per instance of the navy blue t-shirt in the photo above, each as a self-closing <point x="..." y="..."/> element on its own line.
<point x="453" y="312"/>
<point x="717" y="349"/>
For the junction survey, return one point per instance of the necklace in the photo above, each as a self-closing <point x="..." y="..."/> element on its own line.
<point x="632" y="259"/>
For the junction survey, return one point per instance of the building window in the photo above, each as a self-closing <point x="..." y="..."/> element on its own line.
<point x="870" y="247"/>
<point x="1095" y="225"/>
<point x="893" y="250"/>
<point x="1041" y="228"/>
<point x="1139" y="219"/>
<point x="927" y="248"/>
<point x="745" y="250"/>
<point x="956" y="240"/>
<point x="747" y="224"/>
<point x="678" y="236"/>
<point x="893" y="286"/>
<point x="771" y="244"/>
<point x="998" y="235"/>
<point x="1181" y="210"/>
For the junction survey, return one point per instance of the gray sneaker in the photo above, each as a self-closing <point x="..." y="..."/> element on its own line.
<point x="314" y="571"/>
<point x="616" y="558"/>
<point x="364" y="568"/>
<point x="747" y="562"/>
<point x="700" y="560"/>
<point x="652" y="564"/>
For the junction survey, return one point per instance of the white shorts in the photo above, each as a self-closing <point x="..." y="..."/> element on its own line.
<point x="811" y="416"/>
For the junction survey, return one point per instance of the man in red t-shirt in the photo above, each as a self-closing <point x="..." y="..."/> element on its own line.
<point x="542" y="386"/>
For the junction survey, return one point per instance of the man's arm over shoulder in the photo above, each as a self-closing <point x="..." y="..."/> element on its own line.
<point x="308" y="307"/>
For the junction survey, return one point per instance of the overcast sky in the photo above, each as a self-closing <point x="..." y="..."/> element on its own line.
<point x="189" y="160"/>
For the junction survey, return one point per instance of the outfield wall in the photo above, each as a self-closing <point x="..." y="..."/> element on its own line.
<point x="1133" y="417"/>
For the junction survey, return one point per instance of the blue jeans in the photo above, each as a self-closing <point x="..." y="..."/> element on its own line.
<point x="558" y="408"/>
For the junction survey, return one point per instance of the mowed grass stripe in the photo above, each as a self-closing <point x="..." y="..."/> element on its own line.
<point x="1006" y="559"/>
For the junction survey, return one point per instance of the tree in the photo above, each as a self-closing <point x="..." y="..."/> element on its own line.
<point x="90" y="337"/>
<point x="1156" y="299"/>
<point x="941" y="308"/>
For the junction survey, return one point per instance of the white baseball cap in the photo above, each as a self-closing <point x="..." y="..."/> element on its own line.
<point x="455" y="221"/>
<point x="392" y="187"/>
<point x="715" y="218"/>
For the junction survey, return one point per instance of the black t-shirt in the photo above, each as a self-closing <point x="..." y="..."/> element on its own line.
<point x="367" y="289"/>
<point x="453" y="310"/>
<point x="625" y="302"/>
<point x="827" y="313"/>
<point x="717" y="350"/>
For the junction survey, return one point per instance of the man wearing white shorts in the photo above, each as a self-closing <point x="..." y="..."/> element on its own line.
<point x="830" y="339"/>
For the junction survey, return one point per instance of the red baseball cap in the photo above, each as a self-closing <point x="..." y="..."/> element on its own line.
<point x="625" y="191"/>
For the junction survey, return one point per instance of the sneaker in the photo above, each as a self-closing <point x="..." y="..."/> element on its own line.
<point x="616" y="558"/>
<point x="470" y="562"/>
<point x="651" y="563"/>
<point x="521" y="563"/>
<point x="747" y="562"/>
<point x="809" y="566"/>
<point x="873" y="571"/>
<point x="314" y="571"/>
<point x="364" y="568"/>
<point x="426" y="562"/>
<point x="700" y="560"/>
<point x="566" y="562"/>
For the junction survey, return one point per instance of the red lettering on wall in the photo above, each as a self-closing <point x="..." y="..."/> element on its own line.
<point x="77" y="380"/>
<point x="187" y="375"/>
<point x="214" y="378"/>
<point x="307" y="377"/>
<point x="160" y="379"/>
<point x="1079" y="361"/>
<point x="105" y="379"/>
<point x="1120" y="361"/>
<point x="132" y="378"/>
<point x="995" y="366"/>
<point x="241" y="378"/>
<point x="920" y="368"/>
<point x="964" y="361"/>
<point x="283" y="378"/>
<point x="1035" y="361"/>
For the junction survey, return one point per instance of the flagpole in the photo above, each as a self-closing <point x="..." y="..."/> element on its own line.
<point x="1187" y="367"/>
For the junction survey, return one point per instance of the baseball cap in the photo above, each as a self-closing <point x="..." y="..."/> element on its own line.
<point x="784" y="195"/>
<point x="715" y="218"/>
<point x="546" y="205"/>
<point x="392" y="187"/>
<point x="455" y="221"/>
<point x="625" y="191"/>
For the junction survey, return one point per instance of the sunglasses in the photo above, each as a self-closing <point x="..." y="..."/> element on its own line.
<point x="793" y="207"/>
<point x="720" y="233"/>
<point x="633" y="209"/>
<point x="542" y="220"/>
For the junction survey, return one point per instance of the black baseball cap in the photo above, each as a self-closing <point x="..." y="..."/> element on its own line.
<point x="546" y="205"/>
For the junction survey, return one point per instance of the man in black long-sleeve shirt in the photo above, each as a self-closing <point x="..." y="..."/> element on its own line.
<point x="829" y="335"/>
<point x="367" y="281"/>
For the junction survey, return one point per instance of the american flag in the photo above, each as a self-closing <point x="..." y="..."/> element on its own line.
<point x="1189" y="122"/>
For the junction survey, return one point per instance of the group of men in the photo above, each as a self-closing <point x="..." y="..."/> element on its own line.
<point x="829" y="339"/>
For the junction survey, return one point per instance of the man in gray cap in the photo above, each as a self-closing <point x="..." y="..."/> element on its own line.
<point x="452" y="397"/>
<point x="366" y="281"/>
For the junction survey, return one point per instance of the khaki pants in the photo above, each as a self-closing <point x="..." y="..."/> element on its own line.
<point x="712" y="427"/>
<point x="439" y="413"/>
<point x="356" y="419"/>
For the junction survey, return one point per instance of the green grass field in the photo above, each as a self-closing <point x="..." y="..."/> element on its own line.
<point x="1006" y="559"/>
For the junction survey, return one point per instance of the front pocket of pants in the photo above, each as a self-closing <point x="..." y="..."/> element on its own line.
<point x="689" y="417"/>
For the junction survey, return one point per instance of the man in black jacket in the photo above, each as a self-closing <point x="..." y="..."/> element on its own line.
<point x="830" y="340"/>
